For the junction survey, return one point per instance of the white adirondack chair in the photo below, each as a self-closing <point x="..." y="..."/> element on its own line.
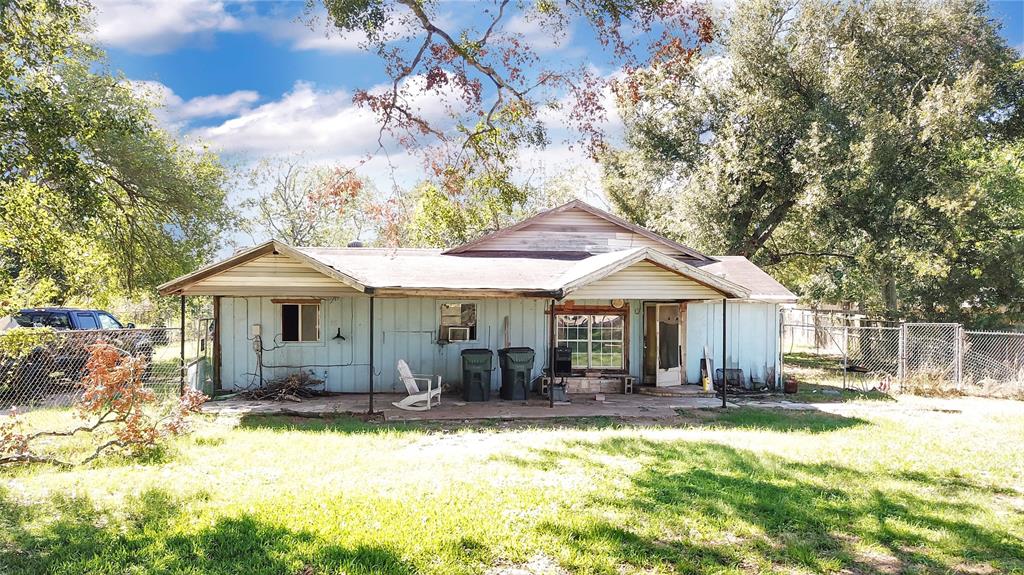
<point x="419" y="399"/>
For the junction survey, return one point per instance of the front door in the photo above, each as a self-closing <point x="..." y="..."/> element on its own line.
<point x="663" y="344"/>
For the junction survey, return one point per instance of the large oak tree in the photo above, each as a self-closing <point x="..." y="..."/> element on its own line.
<point x="868" y="151"/>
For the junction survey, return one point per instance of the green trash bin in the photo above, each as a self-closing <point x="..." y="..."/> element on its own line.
<point x="516" y="367"/>
<point x="476" y="374"/>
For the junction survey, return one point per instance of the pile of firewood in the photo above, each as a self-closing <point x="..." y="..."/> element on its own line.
<point x="295" y="387"/>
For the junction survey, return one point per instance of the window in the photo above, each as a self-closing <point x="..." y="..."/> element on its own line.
<point x="300" y="322"/>
<point x="458" y="322"/>
<point x="54" y="320"/>
<point x="86" y="320"/>
<point x="108" y="322"/>
<point x="596" y="341"/>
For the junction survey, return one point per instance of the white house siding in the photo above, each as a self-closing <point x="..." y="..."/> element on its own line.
<point x="752" y="333"/>
<point x="345" y="361"/>
<point x="271" y="275"/>
<point x="405" y="328"/>
<point x="646" y="280"/>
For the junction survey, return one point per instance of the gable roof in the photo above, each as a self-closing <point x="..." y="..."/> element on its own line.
<point x="271" y="247"/>
<point x="598" y="267"/>
<point x="599" y="213"/>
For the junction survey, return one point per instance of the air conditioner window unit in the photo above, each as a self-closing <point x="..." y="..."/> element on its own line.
<point x="458" y="334"/>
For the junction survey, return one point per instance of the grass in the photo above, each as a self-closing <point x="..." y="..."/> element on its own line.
<point x="740" y="491"/>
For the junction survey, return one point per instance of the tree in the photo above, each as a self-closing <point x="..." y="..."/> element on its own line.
<point x="93" y="195"/>
<point x="491" y="86"/>
<point x="305" y="205"/>
<point x="840" y="143"/>
<point x="119" y="412"/>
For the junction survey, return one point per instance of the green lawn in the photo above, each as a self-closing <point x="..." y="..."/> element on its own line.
<point x="741" y="491"/>
<point x="820" y="380"/>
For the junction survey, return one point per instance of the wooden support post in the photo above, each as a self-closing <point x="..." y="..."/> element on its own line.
<point x="371" y="356"/>
<point x="551" y="357"/>
<point x="216" y="343"/>
<point x="725" y="371"/>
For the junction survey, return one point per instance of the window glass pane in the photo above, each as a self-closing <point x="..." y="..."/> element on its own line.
<point x="289" y="322"/>
<point x="86" y="321"/>
<point x="310" y="323"/>
<point x="595" y="340"/>
<point x="58" y="321"/>
<point x="107" y="322"/>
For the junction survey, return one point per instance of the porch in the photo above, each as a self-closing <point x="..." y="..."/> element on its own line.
<point x="453" y="408"/>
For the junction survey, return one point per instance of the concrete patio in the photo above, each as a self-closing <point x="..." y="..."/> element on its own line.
<point x="453" y="408"/>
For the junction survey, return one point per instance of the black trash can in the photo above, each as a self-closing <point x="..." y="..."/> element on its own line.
<point x="476" y="374"/>
<point x="516" y="367"/>
<point x="563" y="361"/>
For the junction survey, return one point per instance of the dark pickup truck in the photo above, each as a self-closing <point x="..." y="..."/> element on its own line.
<point x="68" y="318"/>
<point x="62" y="361"/>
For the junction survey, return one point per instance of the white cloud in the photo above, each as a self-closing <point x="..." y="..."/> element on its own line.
<point x="160" y="26"/>
<point x="304" y="119"/>
<point x="175" y="112"/>
<point x="155" y="26"/>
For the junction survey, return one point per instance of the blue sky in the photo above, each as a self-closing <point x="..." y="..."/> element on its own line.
<point x="253" y="81"/>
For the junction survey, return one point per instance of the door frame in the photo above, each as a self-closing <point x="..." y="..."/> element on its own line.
<point x="647" y="377"/>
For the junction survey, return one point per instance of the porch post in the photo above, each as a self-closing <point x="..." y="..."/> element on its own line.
<point x="551" y="357"/>
<point x="371" y="356"/>
<point x="181" y="382"/>
<point x="725" y="372"/>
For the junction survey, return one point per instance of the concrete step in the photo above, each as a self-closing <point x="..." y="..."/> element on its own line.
<point x="674" y="391"/>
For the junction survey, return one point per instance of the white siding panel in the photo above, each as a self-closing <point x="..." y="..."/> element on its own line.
<point x="751" y="331"/>
<point x="645" y="280"/>
<point x="271" y="275"/>
<point x="405" y="328"/>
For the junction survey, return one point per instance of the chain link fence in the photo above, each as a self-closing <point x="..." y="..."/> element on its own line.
<point x="45" y="368"/>
<point x="924" y="358"/>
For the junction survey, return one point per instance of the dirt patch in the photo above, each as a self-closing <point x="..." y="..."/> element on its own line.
<point x="539" y="564"/>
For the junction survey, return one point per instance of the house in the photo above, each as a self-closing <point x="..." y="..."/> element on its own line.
<point x="626" y="301"/>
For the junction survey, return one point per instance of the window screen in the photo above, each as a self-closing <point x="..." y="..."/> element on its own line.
<point x="300" y="322"/>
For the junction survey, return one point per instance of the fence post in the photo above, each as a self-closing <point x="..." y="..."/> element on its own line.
<point x="846" y="352"/>
<point x="958" y="358"/>
<point x="901" y="368"/>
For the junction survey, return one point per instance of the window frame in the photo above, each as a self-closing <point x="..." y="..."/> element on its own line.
<point x="590" y="327"/>
<point x="442" y="337"/>
<point x="319" y="323"/>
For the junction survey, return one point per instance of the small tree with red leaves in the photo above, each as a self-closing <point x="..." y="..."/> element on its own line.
<point x="119" y="411"/>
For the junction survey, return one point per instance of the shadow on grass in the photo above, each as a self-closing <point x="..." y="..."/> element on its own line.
<point x="80" y="540"/>
<point x="347" y="424"/>
<point x="698" y="506"/>
<point x="786" y="420"/>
